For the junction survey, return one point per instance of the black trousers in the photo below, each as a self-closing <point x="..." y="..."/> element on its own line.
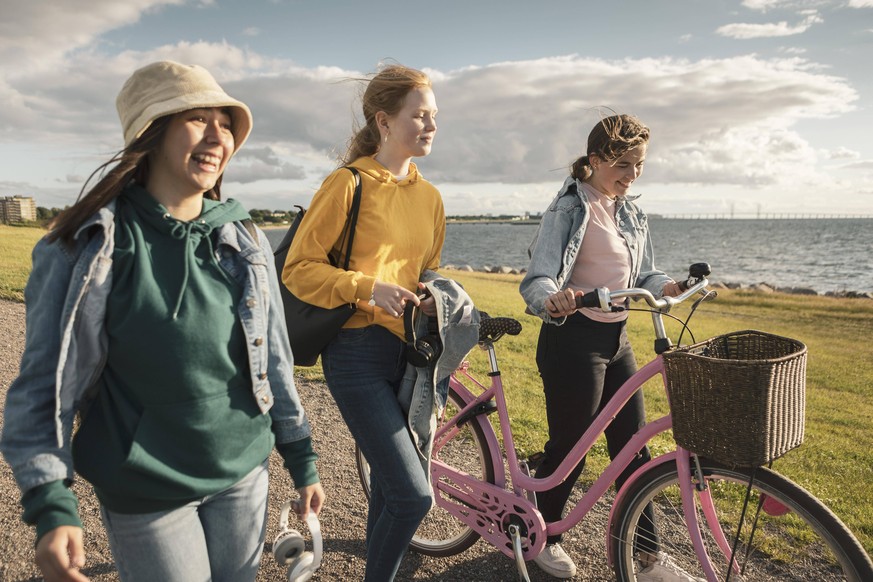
<point x="583" y="363"/>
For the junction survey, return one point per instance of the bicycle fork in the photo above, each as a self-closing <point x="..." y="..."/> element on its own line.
<point x="693" y="483"/>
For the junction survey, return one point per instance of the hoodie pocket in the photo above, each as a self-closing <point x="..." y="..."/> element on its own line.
<point x="199" y="445"/>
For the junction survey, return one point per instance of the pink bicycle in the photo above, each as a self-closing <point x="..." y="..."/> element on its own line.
<point x="716" y="520"/>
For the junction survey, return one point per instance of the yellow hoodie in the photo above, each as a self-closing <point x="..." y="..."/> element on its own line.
<point x="400" y="233"/>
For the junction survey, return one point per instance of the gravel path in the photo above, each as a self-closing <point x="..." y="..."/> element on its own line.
<point x="343" y="519"/>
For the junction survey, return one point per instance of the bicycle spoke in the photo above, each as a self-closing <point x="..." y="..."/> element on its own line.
<point x="440" y="533"/>
<point x="805" y="543"/>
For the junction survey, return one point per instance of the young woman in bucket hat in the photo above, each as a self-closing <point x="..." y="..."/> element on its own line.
<point x="155" y="307"/>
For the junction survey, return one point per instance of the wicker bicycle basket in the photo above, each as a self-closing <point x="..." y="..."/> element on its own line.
<point x="738" y="398"/>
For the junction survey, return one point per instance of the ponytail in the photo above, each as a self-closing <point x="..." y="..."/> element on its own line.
<point x="581" y="168"/>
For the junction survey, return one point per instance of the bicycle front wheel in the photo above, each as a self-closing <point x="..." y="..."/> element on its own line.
<point x="441" y="534"/>
<point x="786" y="533"/>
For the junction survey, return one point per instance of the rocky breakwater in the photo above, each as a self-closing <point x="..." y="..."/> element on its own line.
<point x="759" y="287"/>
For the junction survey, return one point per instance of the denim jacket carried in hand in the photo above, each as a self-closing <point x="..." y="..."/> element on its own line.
<point x="423" y="391"/>
<point x="559" y="237"/>
<point x="66" y="345"/>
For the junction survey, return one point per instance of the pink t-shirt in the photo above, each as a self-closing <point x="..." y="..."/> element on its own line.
<point x="604" y="257"/>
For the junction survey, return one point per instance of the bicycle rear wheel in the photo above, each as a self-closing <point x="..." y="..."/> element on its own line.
<point x="794" y="537"/>
<point x="441" y="534"/>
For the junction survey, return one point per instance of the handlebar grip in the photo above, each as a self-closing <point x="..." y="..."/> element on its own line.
<point x="590" y="299"/>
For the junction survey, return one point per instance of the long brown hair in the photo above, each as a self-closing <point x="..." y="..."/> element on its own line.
<point x="386" y="92"/>
<point x="129" y="165"/>
<point x="610" y="139"/>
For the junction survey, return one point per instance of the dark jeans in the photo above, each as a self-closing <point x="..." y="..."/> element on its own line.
<point x="583" y="363"/>
<point x="363" y="368"/>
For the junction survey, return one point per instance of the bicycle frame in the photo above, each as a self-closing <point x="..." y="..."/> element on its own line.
<point x="492" y="526"/>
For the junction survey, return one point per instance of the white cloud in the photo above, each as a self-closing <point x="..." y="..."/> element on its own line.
<point x="254" y="164"/>
<point x="507" y="133"/>
<point x="860" y="3"/>
<point x="746" y="30"/>
<point x="767" y="5"/>
<point x="863" y="165"/>
<point x="841" y="153"/>
<point x="37" y="33"/>
<point x="762" y="5"/>
<point x="518" y="122"/>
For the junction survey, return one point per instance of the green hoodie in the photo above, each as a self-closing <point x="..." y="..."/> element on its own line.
<point x="175" y="418"/>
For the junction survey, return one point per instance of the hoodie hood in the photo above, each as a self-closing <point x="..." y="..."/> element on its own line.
<point x="192" y="234"/>
<point x="368" y="165"/>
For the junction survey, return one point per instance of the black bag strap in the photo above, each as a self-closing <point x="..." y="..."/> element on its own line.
<point x="281" y="250"/>
<point x="250" y="227"/>
<point x="352" y="218"/>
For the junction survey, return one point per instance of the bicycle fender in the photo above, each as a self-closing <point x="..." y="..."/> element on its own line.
<point x="487" y="430"/>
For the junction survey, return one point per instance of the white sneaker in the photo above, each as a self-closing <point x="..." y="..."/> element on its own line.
<point x="664" y="569"/>
<point x="554" y="560"/>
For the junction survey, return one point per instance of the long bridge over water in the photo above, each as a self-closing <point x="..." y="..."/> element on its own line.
<point x="758" y="216"/>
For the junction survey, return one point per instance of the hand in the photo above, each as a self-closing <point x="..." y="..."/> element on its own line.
<point x="562" y="303"/>
<point x="393" y="298"/>
<point x="60" y="553"/>
<point x="311" y="497"/>
<point x="428" y="304"/>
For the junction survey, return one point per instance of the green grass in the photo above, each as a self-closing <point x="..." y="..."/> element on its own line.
<point x="16" y="242"/>
<point x="836" y="460"/>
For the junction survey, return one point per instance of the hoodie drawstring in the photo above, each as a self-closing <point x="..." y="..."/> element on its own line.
<point x="182" y="231"/>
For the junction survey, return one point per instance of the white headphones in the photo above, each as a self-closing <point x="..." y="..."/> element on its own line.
<point x="289" y="545"/>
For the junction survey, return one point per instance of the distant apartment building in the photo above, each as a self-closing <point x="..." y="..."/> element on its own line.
<point x="17" y="209"/>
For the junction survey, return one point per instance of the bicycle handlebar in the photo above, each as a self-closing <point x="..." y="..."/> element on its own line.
<point x="603" y="299"/>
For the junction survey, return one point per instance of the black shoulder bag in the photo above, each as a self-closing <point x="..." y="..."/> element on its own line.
<point x="311" y="328"/>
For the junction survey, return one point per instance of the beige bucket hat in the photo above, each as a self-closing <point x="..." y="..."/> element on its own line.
<point x="167" y="87"/>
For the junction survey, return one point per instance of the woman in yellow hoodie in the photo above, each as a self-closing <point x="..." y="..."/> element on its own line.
<point x="400" y="233"/>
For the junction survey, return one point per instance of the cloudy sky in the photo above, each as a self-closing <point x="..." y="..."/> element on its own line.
<point x="755" y="106"/>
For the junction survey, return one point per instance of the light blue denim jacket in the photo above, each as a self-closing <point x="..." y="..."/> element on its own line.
<point x="559" y="237"/>
<point x="423" y="391"/>
<point x="66" y="344"/>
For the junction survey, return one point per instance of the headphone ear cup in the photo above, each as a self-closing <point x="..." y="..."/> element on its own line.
<point x="301" y="570"/>
<point x="425" y="350"/>
<point x="288" y="546"/>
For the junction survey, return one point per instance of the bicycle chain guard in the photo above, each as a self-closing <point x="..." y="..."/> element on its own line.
<point x="489" y="510"/>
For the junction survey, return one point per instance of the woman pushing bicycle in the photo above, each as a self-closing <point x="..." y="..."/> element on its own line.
<point x="592" y="235"/>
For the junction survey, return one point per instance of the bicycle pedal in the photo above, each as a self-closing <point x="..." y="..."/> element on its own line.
<point x="535" y="460"/>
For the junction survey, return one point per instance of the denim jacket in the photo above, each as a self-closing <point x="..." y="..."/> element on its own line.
<point x="423" y="391"/>
<point x="66" y="344"/>
<point x="559" y="237"/>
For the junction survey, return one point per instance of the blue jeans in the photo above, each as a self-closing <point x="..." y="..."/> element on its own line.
<point x="217" y="538"/>
<point x="363" y="368"/>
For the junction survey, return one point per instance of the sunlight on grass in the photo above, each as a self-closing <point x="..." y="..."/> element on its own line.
<point x="836" y="460"/>
<point x="17" y="244"/>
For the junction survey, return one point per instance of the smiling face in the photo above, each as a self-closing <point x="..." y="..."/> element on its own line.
<point x="410" y="132"/>
<point x="193" y="154"/>
<point x="615" y="178"/>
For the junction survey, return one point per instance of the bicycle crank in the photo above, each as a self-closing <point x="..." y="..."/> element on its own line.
<point x="515" y="536"/>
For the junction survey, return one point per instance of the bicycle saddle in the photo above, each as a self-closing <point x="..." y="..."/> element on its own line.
<point x="492" y="329"/>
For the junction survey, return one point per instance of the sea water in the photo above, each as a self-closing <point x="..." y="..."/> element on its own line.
<point x="822" y="254"/>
